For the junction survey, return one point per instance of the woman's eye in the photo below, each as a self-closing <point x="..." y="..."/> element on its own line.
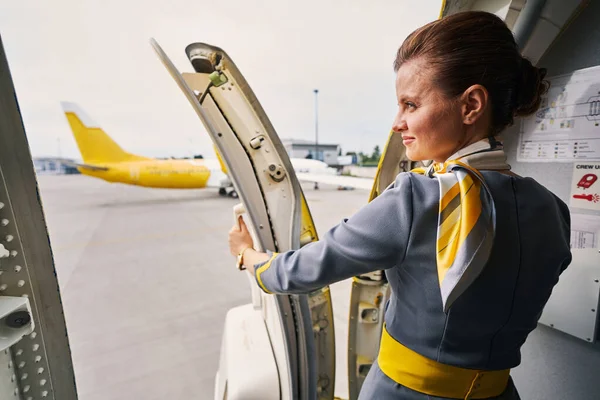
<point x="410" y="104"/>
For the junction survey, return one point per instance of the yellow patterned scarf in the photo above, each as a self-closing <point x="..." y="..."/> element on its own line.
<point x="467" y="216"/>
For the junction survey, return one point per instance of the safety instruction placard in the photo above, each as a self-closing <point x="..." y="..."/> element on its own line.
<point x="566" y="127"/>
<point x="585" y="231"/>
<point x="585" y="187"/>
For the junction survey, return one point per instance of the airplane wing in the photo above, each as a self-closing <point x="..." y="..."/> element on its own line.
<point x="338" y="180"/>
<point x="91" y="167"/>
<point x="86" y="166"/>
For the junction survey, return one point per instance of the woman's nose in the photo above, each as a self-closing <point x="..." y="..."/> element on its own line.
<point x="399" y="124"/>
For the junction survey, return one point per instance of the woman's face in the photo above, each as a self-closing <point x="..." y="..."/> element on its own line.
<point x="431" y="125"/>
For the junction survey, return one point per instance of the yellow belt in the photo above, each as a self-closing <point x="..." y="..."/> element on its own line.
<point x="424" y="375"/>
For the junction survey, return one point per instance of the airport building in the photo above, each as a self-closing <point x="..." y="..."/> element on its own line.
<point x="299" y="148"/>
<point x="54" y="166"/>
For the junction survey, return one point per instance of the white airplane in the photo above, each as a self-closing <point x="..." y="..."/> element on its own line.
<point x="319" y="172"/>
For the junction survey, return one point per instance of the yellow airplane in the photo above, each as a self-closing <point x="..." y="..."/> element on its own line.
<point x="103" y="158"/>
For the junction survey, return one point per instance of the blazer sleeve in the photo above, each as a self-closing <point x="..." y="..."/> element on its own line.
<point x="375" y="238"/>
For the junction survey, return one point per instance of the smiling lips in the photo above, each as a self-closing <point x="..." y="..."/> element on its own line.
<point x="407" y="139"/>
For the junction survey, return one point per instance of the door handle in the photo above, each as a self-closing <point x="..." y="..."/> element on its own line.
<point x="238" y="211"/>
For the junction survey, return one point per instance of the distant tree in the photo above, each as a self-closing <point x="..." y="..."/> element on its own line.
<point x="362" y="158"/>
<point x="368" y="159"/>
<point x="376" y="154"/>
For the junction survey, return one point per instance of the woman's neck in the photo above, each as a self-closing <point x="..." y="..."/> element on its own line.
<point x="461" y="147"/>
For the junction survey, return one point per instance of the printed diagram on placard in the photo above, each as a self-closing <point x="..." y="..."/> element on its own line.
<point x="585" y="230"/>
<point x="565" y="114"/>
<point x="584" y="183"/>
<point x="587" y="180"/>
<point x="585" y="188"/>
<point x="567" y="124"/>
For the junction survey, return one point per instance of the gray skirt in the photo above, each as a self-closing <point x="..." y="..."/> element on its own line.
<point x="378" y="386"/>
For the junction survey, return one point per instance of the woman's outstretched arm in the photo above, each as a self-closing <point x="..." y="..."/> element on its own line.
<point x="373" y="239"/>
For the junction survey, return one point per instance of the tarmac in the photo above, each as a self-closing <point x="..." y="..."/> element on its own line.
<point x="146" y="280"/>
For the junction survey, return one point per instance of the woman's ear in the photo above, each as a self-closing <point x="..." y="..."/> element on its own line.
<point x="474" y="103"/>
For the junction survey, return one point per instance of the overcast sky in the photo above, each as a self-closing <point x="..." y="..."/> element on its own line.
<point x="96" y="53"/>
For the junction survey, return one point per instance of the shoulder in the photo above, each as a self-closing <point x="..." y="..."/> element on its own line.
<point x="418" y="184"/>
<point x="396" y="198"/>
<point x="411" y="191"/>
<point x="523" y="187"/>
<point x="529" y="194"/>
<point x="412" y="179"/>
<point x="531" y="189"/>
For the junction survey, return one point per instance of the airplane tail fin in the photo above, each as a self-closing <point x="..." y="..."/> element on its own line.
<point x="94" y="144"/>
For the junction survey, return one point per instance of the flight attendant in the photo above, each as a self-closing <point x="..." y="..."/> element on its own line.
<point x="471" y="250"/>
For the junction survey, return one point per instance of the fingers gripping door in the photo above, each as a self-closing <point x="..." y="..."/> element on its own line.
<point x="302" y="333"/>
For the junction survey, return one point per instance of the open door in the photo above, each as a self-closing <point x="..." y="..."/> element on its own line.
<point x="280" y="346"/>
<point x="35" y="357"/>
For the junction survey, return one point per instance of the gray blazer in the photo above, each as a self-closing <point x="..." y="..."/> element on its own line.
<point x="396" y="232"/>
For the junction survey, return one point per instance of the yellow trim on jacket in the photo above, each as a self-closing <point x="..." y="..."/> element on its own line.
<point x="262" y="269"/>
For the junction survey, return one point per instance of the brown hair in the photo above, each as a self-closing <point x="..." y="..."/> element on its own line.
<point x="476" y="47"/>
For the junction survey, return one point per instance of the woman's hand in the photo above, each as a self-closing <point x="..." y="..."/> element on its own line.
<point x="239" y="238"/>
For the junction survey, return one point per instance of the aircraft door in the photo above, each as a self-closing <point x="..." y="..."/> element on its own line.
<point x="300" y="327"/>
<point x="34" y="348"/>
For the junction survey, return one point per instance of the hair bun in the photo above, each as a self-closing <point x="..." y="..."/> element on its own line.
<point x="531" y="87"/>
